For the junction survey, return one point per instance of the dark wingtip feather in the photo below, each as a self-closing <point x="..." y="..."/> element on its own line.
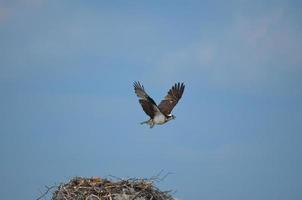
<point x="135" y="83"/>
<point x="177" y="90"/>
<point x="178" y="85"/>
<point x="138" y="86"/>
<point x="183" y="86"/>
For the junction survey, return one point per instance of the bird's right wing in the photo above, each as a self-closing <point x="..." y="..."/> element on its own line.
<point x="147" y="103"/>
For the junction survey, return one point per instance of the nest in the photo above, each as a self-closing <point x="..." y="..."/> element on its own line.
<point x="96" y="188"/>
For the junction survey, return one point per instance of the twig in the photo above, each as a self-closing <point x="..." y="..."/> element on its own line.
<point x="140" y="192"/>
<point x="46" y="192"/>
<point x="118" y="178"/>
<point x="158" y="178"/>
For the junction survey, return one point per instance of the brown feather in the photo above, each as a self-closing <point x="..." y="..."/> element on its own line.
<point x="147" y="103"/>
<point x="172" y="98"/>
<point x="147" y="107"/>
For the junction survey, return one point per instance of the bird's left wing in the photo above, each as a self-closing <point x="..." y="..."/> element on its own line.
<point x="171" y="99"/>
<point x="147" y="103"/>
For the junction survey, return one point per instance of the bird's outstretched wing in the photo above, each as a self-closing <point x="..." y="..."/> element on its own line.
<point x="147" y="103"/>
<point x="171" y="99"/>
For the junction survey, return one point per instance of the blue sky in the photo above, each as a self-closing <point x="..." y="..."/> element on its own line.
<point x="68" y="108"/>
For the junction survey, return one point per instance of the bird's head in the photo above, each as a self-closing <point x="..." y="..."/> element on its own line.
<point x="170" y="116"/>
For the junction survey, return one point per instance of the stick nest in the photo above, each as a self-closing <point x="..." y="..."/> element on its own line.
<point x="96" y="188"/>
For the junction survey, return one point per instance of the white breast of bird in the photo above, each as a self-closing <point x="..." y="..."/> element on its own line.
<point x="159" y="118"/>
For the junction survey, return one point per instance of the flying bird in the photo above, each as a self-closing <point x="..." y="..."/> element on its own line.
<point x="159" y="114"/>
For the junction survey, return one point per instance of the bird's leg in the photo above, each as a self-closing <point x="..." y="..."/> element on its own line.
<point x="146" y="122"/>
<point x="151" y="125"/>
<point x="149" y="122"/>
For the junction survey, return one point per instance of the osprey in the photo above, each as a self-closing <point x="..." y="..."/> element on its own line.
<point x="159" y="114"/>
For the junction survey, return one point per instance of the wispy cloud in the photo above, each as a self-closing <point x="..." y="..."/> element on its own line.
<point x="9" y="9"/>
<point x="250" y="51"/>
<point x="4" y="14"/>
